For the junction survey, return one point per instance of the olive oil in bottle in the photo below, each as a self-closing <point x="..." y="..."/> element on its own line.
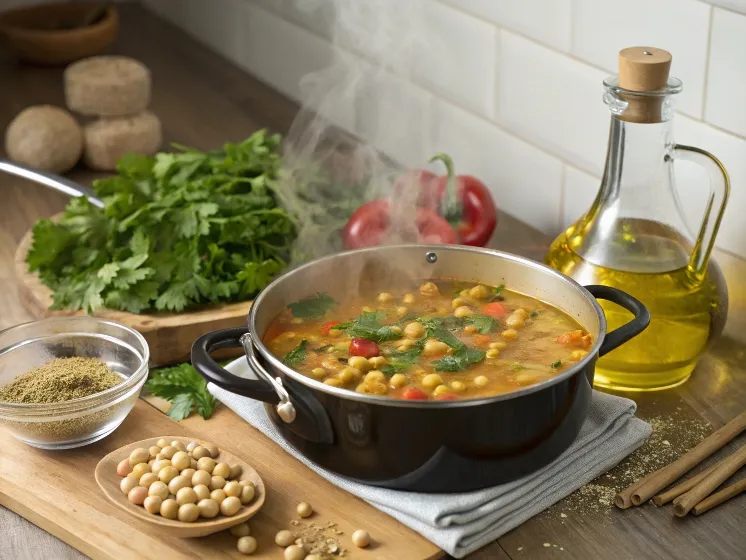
<point x="634" y="236"/>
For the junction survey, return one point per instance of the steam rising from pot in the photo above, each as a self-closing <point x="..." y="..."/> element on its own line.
<point x="366" y="87"/>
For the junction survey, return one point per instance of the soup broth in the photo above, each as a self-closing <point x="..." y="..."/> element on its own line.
<point x="440" y="340"/>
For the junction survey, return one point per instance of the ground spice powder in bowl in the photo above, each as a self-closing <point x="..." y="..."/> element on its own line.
<point x="69" y="381"/>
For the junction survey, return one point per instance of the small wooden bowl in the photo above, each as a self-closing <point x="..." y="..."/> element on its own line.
<point x="108" y="480"/>
<point x="33" y="33"/>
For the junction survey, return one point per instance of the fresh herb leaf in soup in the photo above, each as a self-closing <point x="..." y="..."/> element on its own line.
<point x="496" y="294"/>
<point x="410" y="356"/>
<point x="534" y="314"/>
<point x="556" y="365"/>
<point x="313" y="307"/>
<point x="296" y="355"/>
<point x="368" y="326"/>
<point x="435" y="329"/>
<point x="323" y="348"/>
<point x="484" y="323"/>
<point x="460" y="360"/>
<point x="395" y="367"/>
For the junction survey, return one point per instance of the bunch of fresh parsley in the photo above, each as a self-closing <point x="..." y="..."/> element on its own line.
<point x="184" y="388"/>
<point x="177" y="230"/>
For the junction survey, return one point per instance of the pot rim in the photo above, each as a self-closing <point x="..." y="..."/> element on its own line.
<point x="277" y="364"/>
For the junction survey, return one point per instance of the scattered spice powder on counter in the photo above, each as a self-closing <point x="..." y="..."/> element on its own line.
<point x="62" y="379"/>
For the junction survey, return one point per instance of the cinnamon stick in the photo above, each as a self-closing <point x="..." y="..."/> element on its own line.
<point x="683" y="488"/>
<point x="643" y="489"/>
<point x="684" y="503"/>
<point x="719" y="497"/>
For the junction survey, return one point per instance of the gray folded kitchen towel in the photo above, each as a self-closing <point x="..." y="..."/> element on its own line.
<point x="462" y="523"/>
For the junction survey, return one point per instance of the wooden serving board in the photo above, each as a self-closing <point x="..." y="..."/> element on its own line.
<point x="169" y="335"/>
<point x="57" y="491"/>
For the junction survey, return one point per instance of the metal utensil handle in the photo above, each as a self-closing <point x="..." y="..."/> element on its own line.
<point x="719" y="192"/>
<point x="51" y="180"/>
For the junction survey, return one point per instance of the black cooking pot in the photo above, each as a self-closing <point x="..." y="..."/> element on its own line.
<point x="429" y="446"/>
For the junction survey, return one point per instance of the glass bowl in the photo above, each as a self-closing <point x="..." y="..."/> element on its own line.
<point x="79" y="421"/>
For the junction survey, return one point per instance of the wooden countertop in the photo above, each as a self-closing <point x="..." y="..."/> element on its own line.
<point x="205" y="101"/>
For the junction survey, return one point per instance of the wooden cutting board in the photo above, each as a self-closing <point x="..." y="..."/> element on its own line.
<point x="57" y="491"/>
<point x="169" y="335"/>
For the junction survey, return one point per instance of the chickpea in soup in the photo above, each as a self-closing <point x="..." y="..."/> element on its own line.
<point x="442" y="340"/>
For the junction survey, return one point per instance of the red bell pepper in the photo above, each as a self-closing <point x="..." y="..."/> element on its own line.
<point x="464" y="201"/>
<point x="370" y="224"/>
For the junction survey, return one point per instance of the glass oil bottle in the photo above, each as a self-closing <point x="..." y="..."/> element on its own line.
<point x="634" y="236"/>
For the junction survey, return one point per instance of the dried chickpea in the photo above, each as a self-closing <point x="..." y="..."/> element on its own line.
<point x="333" y="381"/>
<point x="295" y="552"/>
<point x="398" y="380"/>
<point x="201" y="477"/>
<point x="179" y="445"/>
<point x="441" y="390"/>
<point x="140" y="469"/>
<point x="194" y="464"/>
<point x="376" y="362"/>
<point x="218" y="496"/>
<point x="154" y="450"/>
<point x="360" y="363"/>
<point x="373" y="388"/>
<point x="470" y="329"/>
<point x="434" y="347"/>
<point x="458" y="302"/>
<point x="408" y="299"/>
<point x="169" y="451"/>
<point x="335" y="333"/>
<point x="247" y="493"/>
<point x="200" y="452"/>
<point x="431" y="380"/>
<point x="159" y="489"/>
<point x="213" y="449"/>
<point x="233" y="488"/>
<point x="124" y="468"/>
<point x="148" y="479"/>
<point x="202" y="491"/>
<point x="492" y="353"/>
<point x="360" y="538"/>
<point x="169" y="509"/>
<point x="230" y="506"/>
<point x="206" y="464"/>
<point x="191" y="446"/>
<point x="405" y="344"/>
<point x="479" y="292"/>
<point x="457" y="386"/>
<point x="500" y="345"/>
<point x="246" y="545"/>
<point x="396" y="329"/>
<point x="178" y="483"/>
<point x="128" y="483"/>
<point x="222" y="469"/>
<point x="217" y="483"/>
<point x="480" y="381"/>
<point x="521" y="312"/>
<point x="236" y="471"/>
<point x="284" y="538"/>
<point x="189" y="473"/>
<point x="188" y="513"/>
<point x="241" y="530"/>
<point x="349" y="374"/>
<point x="139" y="455"/>
<point x="318" y="373"/>
<point x="208" y="508"/>
<point x="414" y="330"/>
<point x="401" y="311"/>
<point x="374" y="375"/>
<point x="167" y="474"/>
<point x="462" y="311"/>
<point x="509" y="334"/>
<point x="515" y="322"/>
<point x="162" y="443"/>
<point x="186" y="496"/>
<point x="428" y="289"/>
<point x="304" y="509"/>
<point x="181" y="460"/>
<point x="384" y="297"/>
<point x="137" y="495"/>
<point x="152" y="504"/>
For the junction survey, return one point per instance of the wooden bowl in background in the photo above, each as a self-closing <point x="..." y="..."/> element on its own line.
<point x="42" y="34"/>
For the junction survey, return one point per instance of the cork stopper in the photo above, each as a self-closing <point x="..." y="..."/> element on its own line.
<point x="643" y="69"/>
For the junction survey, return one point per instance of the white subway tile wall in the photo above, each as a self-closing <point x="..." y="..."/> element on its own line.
<point x="512" y="88"/>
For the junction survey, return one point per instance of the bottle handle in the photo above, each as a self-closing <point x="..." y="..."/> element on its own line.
<point x="719" y="192"/>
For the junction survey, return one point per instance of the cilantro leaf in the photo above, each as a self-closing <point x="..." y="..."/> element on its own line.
<point x="313" y="307"/>
<point x="435" y="329"/>
<point x="459" y="360"/>
<point x="182" y="386"/>
<point x="395" y="367"/>
<point x="496" y="293"/>
<point x="484" y="323"/>
<point x="368" y="326"/>
<point x="533" y="314"/>
<point x="556" y="365"/>
<point x="297" y="354"/>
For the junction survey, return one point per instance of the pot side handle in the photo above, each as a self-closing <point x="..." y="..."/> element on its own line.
<point x="639" y="323"/>
<point x="213" y="373"/>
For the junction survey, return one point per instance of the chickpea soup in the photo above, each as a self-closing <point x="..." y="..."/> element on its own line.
<point x="441" y="340"/>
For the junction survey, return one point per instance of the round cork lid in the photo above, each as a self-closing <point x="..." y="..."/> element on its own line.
<point x="644" y="68"/>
